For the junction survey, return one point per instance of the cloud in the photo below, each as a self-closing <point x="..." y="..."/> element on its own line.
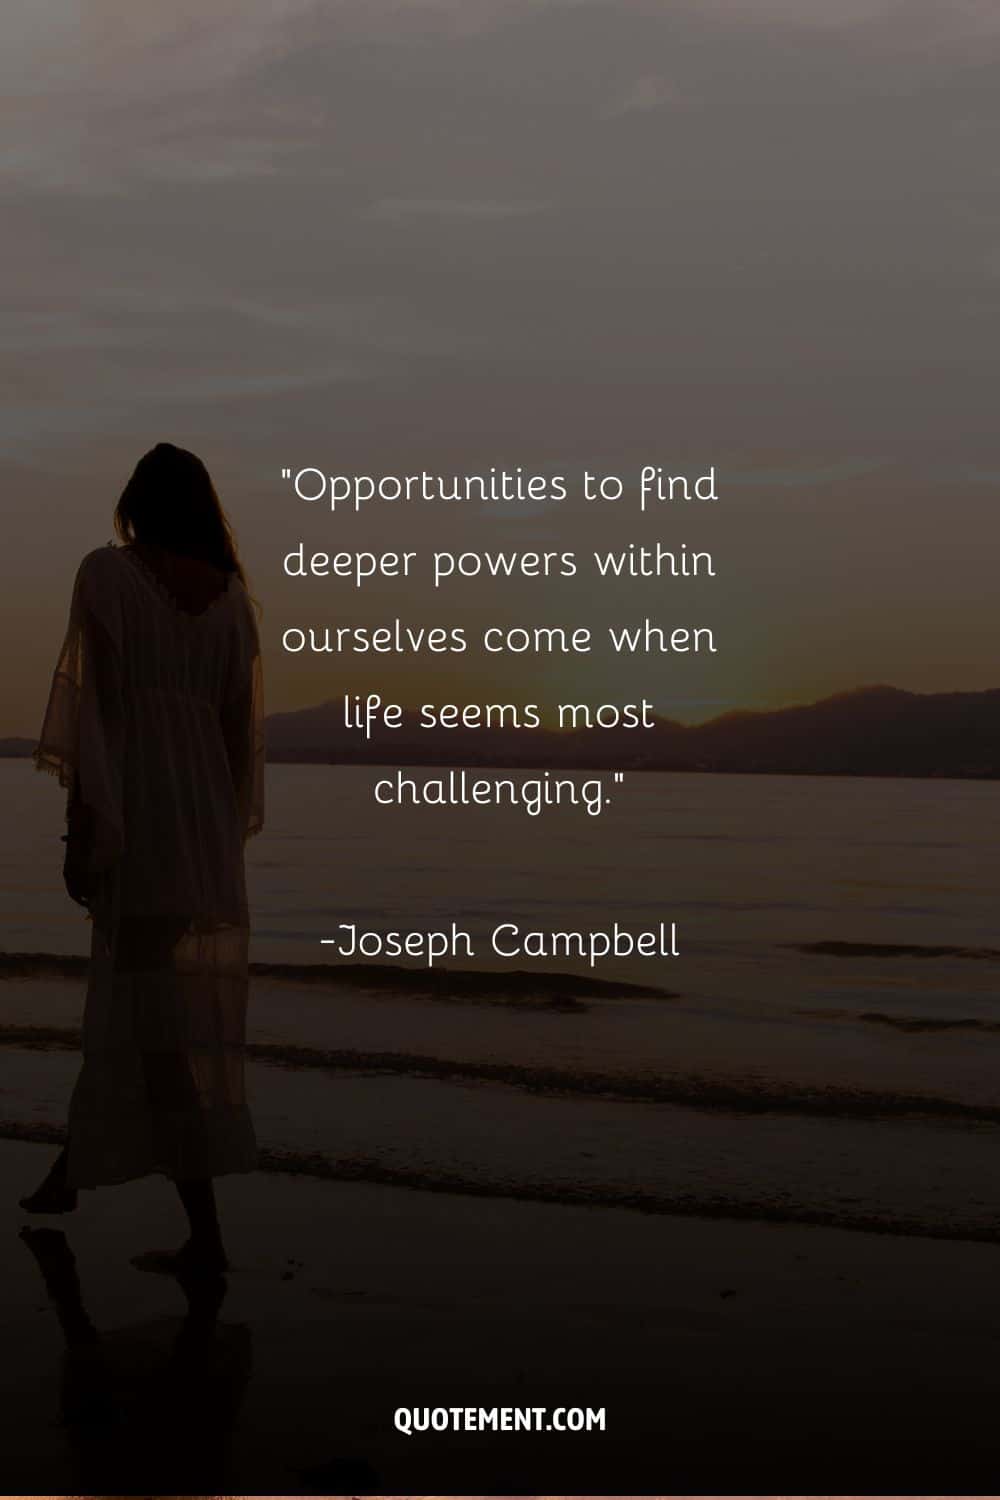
<point x="456" y="232"/>
<point x="400" y="209"/>
<point x="647" y="93"/>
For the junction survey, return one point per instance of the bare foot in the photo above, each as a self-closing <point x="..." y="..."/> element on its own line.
<point x="54" y="1196"/>
<point x="50" y="1198"/>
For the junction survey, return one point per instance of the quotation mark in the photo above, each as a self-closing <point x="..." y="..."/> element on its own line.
<point x="619" y="776"/>
<point x="286" y="473"/>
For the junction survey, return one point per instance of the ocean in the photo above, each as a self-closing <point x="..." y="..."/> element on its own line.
<point x="822" y="1050"/>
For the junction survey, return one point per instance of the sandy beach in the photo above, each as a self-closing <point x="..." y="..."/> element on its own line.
<point x="729" y="1357"/>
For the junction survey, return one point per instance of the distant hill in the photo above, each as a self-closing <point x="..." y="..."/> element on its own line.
<point x="15" y="747"/>
<point x="872" y="731"/>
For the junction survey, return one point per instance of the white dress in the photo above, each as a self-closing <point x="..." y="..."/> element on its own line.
<point x="155" y="722"/>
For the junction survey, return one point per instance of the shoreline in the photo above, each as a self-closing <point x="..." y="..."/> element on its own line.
<point x="689" y="1092"/>
<point x="661" y="1112"/>
<point x="317" y="1167"/>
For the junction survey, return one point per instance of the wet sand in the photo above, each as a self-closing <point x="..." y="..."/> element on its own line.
<point x="892" y="1133"/>
<point x="732" y="1358"/>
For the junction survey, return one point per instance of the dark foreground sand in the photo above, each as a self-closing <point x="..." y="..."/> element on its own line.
<point x="731" y="1358"/>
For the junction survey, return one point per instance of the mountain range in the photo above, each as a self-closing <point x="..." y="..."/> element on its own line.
<point x="871" y="731"/>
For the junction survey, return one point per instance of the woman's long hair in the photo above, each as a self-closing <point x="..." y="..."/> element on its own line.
<point x="170" y="502"/>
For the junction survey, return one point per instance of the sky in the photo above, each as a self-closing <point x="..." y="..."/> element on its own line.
<point x="386" y="235"/>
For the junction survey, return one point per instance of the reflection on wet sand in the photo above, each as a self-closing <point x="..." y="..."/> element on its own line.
<point x="151" y="1404"/>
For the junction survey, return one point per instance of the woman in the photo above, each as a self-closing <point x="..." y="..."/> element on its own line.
<point x="155" y="728"/>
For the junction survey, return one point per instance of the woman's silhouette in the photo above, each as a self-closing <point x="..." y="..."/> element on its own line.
<point x="155" y="727"/>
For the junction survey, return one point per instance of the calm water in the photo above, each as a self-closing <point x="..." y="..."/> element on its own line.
<point x="855" y="1086"/>
<point x="748" y="867"/>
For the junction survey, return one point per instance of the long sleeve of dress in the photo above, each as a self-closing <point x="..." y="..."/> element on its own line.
<point x="243" y="727"/>
<point x="82" y="735"/>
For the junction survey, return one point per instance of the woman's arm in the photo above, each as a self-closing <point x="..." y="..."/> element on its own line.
<point x="78" y="862"/>
<point x="82" y="735"/>
<point x="242" y="717"/>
